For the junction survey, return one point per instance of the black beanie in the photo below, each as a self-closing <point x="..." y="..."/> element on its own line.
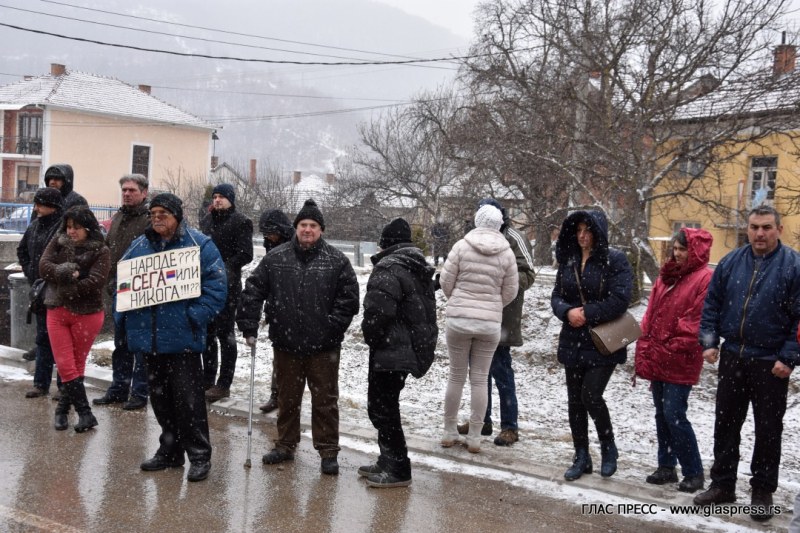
<point x="309" y="211"/>
<point x="226" y="190"/>
<point x="395" y="232"/>
<point x="170" y="202"/>
<point x="49" y="196"/>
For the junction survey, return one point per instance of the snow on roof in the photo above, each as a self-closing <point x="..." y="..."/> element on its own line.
<point x="311" y="186"/>
<point x="80" y="91"/>
<point x="754" y="94"/>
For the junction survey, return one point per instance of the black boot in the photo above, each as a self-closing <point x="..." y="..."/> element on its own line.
<point x="581" y="464"/>
<point x="609" y="455"/>
<point x="77" y="394"/>
<point x="62" y="412"/>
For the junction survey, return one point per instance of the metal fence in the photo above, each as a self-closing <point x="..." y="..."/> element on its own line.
<point x="15" y="218"/>
<point x="354" y="250"/>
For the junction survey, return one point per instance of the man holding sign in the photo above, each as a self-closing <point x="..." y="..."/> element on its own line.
<point x="170" y="284"/>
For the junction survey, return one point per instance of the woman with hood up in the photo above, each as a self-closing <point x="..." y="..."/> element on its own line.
<point x="479" y="278"/>
<point x="593" y="286"/>
<point x="670" y="357"/>
<point x="75" y="266"/>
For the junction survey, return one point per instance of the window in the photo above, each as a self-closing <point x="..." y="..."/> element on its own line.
<point x="27" y="178"/>
<point x="141" y="160"/>
<point x="692" y="166"/>
<point x="680" y="224"/>
<point x="29" y="140"/>
<point x="763" y="173"/>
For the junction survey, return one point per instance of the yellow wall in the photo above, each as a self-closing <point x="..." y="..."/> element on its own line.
<point x="664" y="213"/>
<point x="100" y="148"/>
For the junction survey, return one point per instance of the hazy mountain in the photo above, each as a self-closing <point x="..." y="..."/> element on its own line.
<point x="215" y="89"/>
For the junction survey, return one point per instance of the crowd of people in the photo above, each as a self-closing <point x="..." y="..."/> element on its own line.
<point x="744" y="314"/>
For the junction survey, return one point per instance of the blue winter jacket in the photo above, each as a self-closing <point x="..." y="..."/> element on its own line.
<point x="754" y="304"/>
<point x="179" y="326"/>
<point x="606" y="283"/>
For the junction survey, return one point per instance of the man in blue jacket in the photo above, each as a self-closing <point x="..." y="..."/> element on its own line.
<point x="753" y="302"/>
<point x="172" y="335"/>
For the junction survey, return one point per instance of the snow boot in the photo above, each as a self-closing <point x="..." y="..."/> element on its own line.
<point x="62" y="411"/>
<point x="609" y="455"/>
<point x="581" y="464"/>
<point x="474" y="438"/>
<point x="77" y="394"/>
<point x="450" y="435"/>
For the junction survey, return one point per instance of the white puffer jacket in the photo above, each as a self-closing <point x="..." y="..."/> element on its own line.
<point x="480" y="276"/>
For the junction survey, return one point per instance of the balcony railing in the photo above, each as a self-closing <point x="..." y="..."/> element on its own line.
<point x="21" y="145"/>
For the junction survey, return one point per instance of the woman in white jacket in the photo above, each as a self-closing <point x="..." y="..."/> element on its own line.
<point x="479" y="278"/>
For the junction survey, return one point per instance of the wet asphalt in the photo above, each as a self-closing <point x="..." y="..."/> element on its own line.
<point x="67" y="482"/>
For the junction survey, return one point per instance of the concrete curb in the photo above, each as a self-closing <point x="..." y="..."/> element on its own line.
<point x="491" y="456"/>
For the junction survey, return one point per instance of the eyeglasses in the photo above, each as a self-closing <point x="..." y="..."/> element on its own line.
<point x="161" y="215"/>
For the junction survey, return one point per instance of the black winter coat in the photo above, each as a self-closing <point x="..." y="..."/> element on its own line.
<point x="68" y="194"/>
<point x="309" y="297"/>
<point x="607" y="282"/>
<point x="34" y="241"/>
<point x="232" y="232"/>
<point x="399" y="322"/>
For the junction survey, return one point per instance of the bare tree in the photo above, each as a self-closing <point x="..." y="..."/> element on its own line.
<point x="407" y="161"/>
<point x="607" y="103"/>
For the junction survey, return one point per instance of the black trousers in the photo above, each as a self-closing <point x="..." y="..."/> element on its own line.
<point x="585" y="388"/>
<point x="177" y="397"/>
<point x="743" y="381"/>
<point x="383" y="407"/>
<point x="222" y="328"/>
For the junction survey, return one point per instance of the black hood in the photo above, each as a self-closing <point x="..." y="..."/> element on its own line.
<point x="63" y="171"/>
<point x="409" y="256"/>
<point x="567" y="244"/>
<point x="276" y="221"/>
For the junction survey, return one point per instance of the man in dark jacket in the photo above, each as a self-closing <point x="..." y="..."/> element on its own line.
<point x="61" y="177"/>
<point x="129" y="374"/>
<point x="309" y="293"/>
<point x="47" y="204"/>
<point x="232" y="232"/>
<point x="510" y="335"/>
<point x="276" y="229"/>
<point x="753" y="302"/>
<point x="399" y="326"/>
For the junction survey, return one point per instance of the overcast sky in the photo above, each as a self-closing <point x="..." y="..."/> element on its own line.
<point x="455" y="15"/>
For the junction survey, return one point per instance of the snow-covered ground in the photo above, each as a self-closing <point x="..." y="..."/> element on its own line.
<point x="544" y="430"/>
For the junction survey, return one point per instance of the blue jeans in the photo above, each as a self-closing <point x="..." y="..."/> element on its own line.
<point x="676" y="439"/>
<point x="128" y="370"/>
<point x="503" y="376"/>
<point x="43" y="374"/>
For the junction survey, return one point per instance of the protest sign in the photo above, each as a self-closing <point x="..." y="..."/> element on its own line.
<point x="158" y="278"/>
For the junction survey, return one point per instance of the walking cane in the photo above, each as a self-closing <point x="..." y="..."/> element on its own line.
<point x="247" y="463"/>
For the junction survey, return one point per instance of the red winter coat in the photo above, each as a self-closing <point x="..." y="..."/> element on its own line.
<point x="668" y="349"/>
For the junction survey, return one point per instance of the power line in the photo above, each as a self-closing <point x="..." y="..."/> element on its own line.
<point x="228" y="32"/>
<point x="202" y="39"/>
<point x="232" y="58"/>
<point x="254" y="93"/>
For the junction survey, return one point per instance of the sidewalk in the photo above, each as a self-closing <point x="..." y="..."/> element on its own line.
<point x="508" y="460"/>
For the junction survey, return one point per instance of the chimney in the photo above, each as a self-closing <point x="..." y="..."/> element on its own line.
<point x="144" y="88"/>
<point x="214" y="161"/>
<point x="330" y="178"/>
<point x="253" y="173"/>
<point x="57" y="70"/>
<point x="296" y="177"/>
